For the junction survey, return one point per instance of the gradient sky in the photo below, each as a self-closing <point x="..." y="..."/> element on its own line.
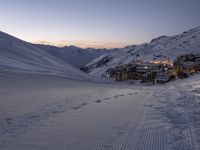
<point x="97" y="23"/>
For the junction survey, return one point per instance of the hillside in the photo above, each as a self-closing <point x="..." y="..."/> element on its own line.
<point x="48" y="104"/>
<point x="161" y="48"/>
<point x="40" y="112"/>
<point x="21" y="56"/>
<point x="73" y="55"/>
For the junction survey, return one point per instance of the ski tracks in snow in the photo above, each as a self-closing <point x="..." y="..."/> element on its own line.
<point x="140" y="128"/>
<point x="145" y="132"/>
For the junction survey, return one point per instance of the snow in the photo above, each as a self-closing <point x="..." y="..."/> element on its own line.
<point x="45" y="103"/>
<point x="18" y="55"/>
<point x="74" y="55"/>
<point x="179" y="106"/>
<point x="52" y="112"/>
<point x="161" y="48"/>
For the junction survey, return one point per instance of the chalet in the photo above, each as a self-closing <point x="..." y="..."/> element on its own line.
<point x="163" y="77"/>
<point x="188" y="63"/>
<point x="165" y="67"/>
<point x="110" y="72"/>
<point x="126" y="75"/>
<point x="146" y="67"/>
<point x="149" y="76"/>
<point x="188" y="67"/>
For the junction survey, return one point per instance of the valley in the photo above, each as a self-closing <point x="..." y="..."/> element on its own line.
<point x="47" y="102"/>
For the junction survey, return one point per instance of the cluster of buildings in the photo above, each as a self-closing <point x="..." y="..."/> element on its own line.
<point x="187" y="63"/>
<point x="156" y="71"/>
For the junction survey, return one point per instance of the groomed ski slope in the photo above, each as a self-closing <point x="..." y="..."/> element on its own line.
<point x="40" y="112"/>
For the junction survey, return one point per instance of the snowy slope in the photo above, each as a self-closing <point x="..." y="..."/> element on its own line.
<point x="75" y="56"/>
<point x="161" y="48"/>
<point x="18" y="55"/>
<point x="40" y="112"/>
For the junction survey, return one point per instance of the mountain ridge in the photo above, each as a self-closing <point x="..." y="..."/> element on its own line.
<point x="20" y="56"/>
<point x="73" y="55"/>
<point x="160" y="48"/>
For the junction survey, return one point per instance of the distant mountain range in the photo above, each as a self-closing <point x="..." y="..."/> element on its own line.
<point x="20" y="56"/>
<point x="73" y="55"/>
<point x="161" y="48"/>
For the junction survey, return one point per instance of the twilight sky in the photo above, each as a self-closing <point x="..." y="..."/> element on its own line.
<point x="97" y="23"/>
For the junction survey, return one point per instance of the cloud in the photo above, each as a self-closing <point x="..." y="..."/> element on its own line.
<point x="83" y="44"/>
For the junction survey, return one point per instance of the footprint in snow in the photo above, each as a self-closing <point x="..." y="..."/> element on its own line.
<point x="84" y="103"/>
<point x="148" y="105"/>
<point x="76" y="107"/>
<point x="129" y="94"/>
<point x="9" y="120"/>
<point x="98" y="101"/>
<point x="116" y="96"/>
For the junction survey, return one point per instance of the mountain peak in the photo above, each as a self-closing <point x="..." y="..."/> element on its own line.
<point x="159" y="39"/>
<point x="160" y="48"/>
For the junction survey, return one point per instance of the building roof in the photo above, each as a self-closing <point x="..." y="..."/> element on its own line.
<point x="162" y="77"/>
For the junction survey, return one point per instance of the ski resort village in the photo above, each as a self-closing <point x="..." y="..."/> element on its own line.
<point x="99" y="74"/>
<point x="156" y="71"/>
<point x="111" y="103"/>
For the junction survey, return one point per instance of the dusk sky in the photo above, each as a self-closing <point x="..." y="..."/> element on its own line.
<point x="97" y="23"/>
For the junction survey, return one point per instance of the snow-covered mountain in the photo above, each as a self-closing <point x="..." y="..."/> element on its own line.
<point x="73" y="55"/>
<point x="161" y="48"/>
<point x="18" y="55"/>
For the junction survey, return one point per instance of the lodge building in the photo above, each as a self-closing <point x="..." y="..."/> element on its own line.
<point x="156" y="71"/>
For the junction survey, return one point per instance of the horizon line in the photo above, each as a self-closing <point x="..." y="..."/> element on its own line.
<point x="85" y="44"/>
